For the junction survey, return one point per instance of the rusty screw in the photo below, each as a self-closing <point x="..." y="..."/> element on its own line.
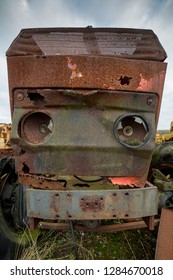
<point x="20" y="96"/>
<point x="43" y="128"/>
<point x="149" y="101"/>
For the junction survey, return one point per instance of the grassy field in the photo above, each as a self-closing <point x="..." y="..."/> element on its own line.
<point x="125" y="245"/>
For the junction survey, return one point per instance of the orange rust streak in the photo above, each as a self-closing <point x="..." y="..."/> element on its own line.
<point x="126" y="181"/>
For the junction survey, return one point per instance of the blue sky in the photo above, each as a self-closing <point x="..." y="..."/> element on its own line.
<point x="147" y="14"/>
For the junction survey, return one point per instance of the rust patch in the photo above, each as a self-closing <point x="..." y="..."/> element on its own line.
<point x="102" y="228"/>
<point x="6" y="152"/>
<point x="72" y="128"/>
<point x="128" y="181"/>
<point x="91" y="204"/>
<point x="73" y="67"/>
<point x="41" y="182"/>
<point x="120" y="42"/>
<point x="164" y="247"/>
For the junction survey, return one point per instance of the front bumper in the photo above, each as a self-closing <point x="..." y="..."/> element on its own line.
<point x="92" y="204"/>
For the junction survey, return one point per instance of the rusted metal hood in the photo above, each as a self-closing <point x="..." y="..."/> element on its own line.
<point x="86" y="101"/>
<point x="116" y="42"/>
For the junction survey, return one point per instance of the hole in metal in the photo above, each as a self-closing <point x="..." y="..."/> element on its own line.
<point x="81" y="185"/>
<point x="36" y="97"/>
<point x="25" y="168"/>
<point x="35" y="127"/>
<point x="131" y="131"/>
<point x="125" y="80"/>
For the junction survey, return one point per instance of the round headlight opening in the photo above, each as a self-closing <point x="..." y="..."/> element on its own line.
<point x="35" y="127"/>
<point x="131" y="131"/>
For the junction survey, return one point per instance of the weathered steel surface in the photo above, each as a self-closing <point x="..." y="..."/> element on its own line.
<point x="101" y="228"/>
<point x="164" y="247"/>
<point x="91" y="204"/>
<point x="41" y="182"/>
<point x="125" y="42"/>
<point x="91" y="73"/>
<point x="149" y="221"/>
<point x="86" y="102"/>
<point x="74" y="131"/>
<point x="115" y="58"/>
<point x="82" y="133"/>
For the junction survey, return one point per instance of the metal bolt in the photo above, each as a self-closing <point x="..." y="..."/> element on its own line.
<point x="20" y="96"/>
<point x="43" y="128"/>
<point x="128" y="130"/>
<point x="149" y="101"/>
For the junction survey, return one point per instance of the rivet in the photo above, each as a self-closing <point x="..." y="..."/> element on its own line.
<point x="149" y="101"/>
<point x="43" y="128"/>
<point x="20" y="96"/>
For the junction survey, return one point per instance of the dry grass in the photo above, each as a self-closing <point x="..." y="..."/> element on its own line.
<point x="132" y="244"/>
<point x="52" y="245"/>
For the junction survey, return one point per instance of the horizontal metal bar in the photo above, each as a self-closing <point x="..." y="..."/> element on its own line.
<point x="92" y="204"/>
<point x="102" y="228"/>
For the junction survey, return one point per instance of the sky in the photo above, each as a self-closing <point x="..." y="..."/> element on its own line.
<point x="142" y="14"/>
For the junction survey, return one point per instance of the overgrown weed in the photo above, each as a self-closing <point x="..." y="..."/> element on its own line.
<point x="131" y="244"/>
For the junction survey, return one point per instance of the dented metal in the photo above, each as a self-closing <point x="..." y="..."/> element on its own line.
<point x="85" y="102"/>
<point x="91" y="204"/>
<point x="80" y="133"/>
<point x="125" y="42"/>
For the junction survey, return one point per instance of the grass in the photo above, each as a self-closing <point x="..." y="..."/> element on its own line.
<point x="126" y="245"/>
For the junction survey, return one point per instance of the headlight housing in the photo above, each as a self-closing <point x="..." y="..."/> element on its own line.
<point x="35" y="127"/>
<point x="131" y="130"/>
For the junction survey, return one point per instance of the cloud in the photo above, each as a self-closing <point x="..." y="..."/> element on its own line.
<point x="4" y="97"/>
<point x="147" y="14"/>
<point x="5" y="116"/>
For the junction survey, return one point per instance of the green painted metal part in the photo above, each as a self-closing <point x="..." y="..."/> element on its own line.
<point x="77" y="134"/>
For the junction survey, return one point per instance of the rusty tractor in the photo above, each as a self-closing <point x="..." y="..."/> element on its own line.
<point x="85" y="104"/>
